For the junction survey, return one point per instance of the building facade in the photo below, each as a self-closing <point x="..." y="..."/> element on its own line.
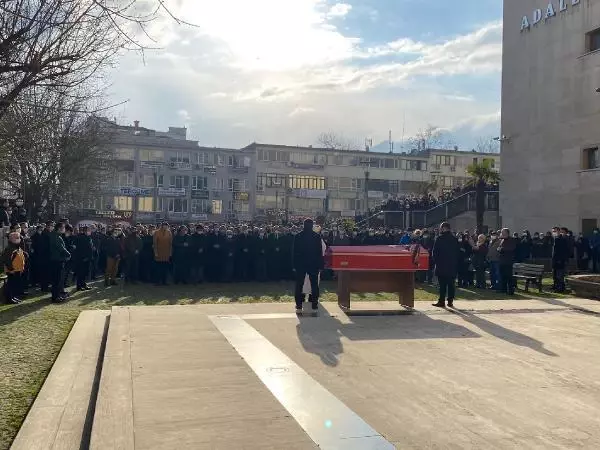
<point x="163" y="176"/>
<point x="550" y="114"/>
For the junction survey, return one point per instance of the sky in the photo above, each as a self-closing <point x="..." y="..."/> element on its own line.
<point x="285" y="71"/>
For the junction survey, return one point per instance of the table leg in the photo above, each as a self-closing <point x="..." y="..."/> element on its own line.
<point x="343" y="289"/>
<point x="406" y="289"/>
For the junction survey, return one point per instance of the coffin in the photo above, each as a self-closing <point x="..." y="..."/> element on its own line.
<point x="390" y="258"/>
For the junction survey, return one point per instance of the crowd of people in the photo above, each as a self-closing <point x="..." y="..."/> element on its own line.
<point x="52" y="255"/>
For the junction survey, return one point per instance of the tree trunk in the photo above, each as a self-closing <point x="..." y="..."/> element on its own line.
<point x="479" y="205"/>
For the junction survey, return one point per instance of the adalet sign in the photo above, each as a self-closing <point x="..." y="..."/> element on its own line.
<point x="550" y="12"/>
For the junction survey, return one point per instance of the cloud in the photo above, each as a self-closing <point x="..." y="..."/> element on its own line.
<point x="284" y="72"/>
<point x="300" y="110"/>
<point x="339" y="10"/>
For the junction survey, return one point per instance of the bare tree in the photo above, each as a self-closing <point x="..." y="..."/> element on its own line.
<point x="52" y="149"/>
<point x="61" y="44"/>
<point x="487" y="145"/>
<point x="336" y="141"/>
<point x="431" y="137"/>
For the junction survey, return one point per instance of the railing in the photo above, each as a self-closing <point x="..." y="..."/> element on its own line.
<point x="437" y="214"/>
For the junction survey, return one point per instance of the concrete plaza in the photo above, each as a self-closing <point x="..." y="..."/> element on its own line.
<point x="494" y="375"/>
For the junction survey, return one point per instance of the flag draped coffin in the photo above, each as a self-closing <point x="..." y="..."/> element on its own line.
<point x="389" y="258"/>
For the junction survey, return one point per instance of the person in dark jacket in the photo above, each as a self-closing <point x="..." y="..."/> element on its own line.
<point x="82" y="257"/>
<point x="275" y="252"/>
<point x="112" y="248"/>
<point x="44" y="257"/>
<point x="428" y="242"/>
<point x="260" y="252"/>
<point x="69" y="239"/>
<point x="506" y="258"/>
<point x="446" y="255"/>
<point x="181" y="256"/>
<point x="595" y="249"/>
<point x="132" y="248"/>
<point x="35" y="256"/>
<point x="198" y="254"/>
<point x="583" y="251"/>
<point x="560" y="257"/>
<point x="480" y="251"/>
<point x="307" y="259"/>
<point x="58" y="256"/>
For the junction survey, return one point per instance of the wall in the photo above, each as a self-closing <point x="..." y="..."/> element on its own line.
<point x="467" y="221"/>
<point x="550" y="112"/>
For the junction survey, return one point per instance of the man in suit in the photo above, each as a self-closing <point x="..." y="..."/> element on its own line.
<point x="445" y="253"/>
<point x="307" y="259"/>
<point x="560" y="258"/>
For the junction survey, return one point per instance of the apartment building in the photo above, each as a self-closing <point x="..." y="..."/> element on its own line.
<point x="311" y="181"/>
<point x="163" y="176"/>
<point x="448" y="168"/>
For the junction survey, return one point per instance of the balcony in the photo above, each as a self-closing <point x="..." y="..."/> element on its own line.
<point x="239" y="169"/>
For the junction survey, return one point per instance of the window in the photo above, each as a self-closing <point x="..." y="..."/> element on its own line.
<point x="231" y="160"/>
<point x="490" y="161"/>
<point x="180" y="157"/>
<point x="127" y="154"/>
<point x="203" y="158"/>
<point x="306" y="182"/>
<point x="199" y="183"/>
<point x="123" y="203"/>
<point x="217" y="206"/>
<point x="125" y="179"/>
<point x="593" y="41"/>
<point x="152" y="155"/>
<point x="239" y="206"/>
<point x="145" y="204"/>
<point x="147" y="180"/>
<point x="178" y="205"/>
<point x="219" y="160"/>
<point x="179" y="181"/>
<point x="200" y="206"/>
<point x="388" y="163"/>
<point x="219" y="184"/>
<point x="235" y="185"/>
<point x="590" y="159"/>
<point x="160" y="180"/>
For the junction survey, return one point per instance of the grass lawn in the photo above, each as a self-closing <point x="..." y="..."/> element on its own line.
<point x="32" y="333"/>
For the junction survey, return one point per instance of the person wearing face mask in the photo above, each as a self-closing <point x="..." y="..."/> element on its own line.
<point x="275" y="253"/>
<point x="595" y="249"/>
<point x="493" y="258"/>
<point x="560" y="257"/>
<point x="354" y="238"/>
<point x="427" y="242"/>
<point x="445" y="255"/>
<point x="198" y="254"/>
<point x="13" y="259"/>
<point x="536" y="246"/>
<point x="82" y="257"/>
<point x="582" y="249"/>
<point x="133" y="247"/>
<point x="112" y="246"/>
<point x="243" y="255"/>
<point x="69" y="239"/>
<point x="260" y="250"/>
<point x="506" y="250"/>
<point x="36" y="257"/>
<point x="59" y="255"/>
<point x="307" y="254"/>
<point x="228" y="253"/>
<point x="181" y="256"/>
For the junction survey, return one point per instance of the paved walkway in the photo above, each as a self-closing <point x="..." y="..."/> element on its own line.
<point x="493" y="375"/>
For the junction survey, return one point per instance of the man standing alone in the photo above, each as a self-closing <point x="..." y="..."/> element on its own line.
<point x="307" y="259"/>
<point x="445" y="254"/>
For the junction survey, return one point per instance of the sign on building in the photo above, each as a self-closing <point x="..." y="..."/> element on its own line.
<point x="171" y="192"/>
<point x="310" y="193"/>
<point x="546" y="13"/>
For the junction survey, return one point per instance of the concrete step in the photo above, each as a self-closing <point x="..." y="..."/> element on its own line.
<point x="61" y="416"/>
<point x="113" y="418"/>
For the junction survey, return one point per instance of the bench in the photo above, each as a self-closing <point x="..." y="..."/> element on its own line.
<point x="531" y="273"/>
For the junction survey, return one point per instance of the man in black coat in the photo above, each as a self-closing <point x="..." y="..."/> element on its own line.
<point x="506" y="257"/>
<point x="560" y="257"/>
<point x="445" y="253"/>
<point x="307" y="259"/>
<point x="82" y="257"/>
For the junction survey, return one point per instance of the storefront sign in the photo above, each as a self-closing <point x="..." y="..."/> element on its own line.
<point x="243" y="196"/>
<point x="132" y="191"/>
<point x="310" y="193"/>
<point x="210" y="169"/>
<point x="306" y="166"/>
<point x="171" y="192"/>
<point x="199" y="217"/>
<point x="200" y="194"/>
<point x="148" y="215"/>
<point x="546" y="13"/>
<point x="151" y="164"/>
<point x="180" y="165"/>
<point x="105" y="214"/>
<point x="375" y="194"/>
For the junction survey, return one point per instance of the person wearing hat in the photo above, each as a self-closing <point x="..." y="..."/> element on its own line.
<point x="446" y="253"/>
<point x="307" y="259"/>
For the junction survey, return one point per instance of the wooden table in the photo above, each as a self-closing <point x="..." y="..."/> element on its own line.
<point x="362" y="281"/>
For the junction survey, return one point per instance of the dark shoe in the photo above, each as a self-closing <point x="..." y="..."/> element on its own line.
<point x="299" y="310"/>
<point x="106" y="283"/>
<point x="315" y="310"/>
<point x="450" y="303"/>
<point x="13" y="301"/>
<point x="439" y="304"/>
<point x="113" y="283"/>
<point x="86" y="288"/>
<point x="58" y="300"/>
